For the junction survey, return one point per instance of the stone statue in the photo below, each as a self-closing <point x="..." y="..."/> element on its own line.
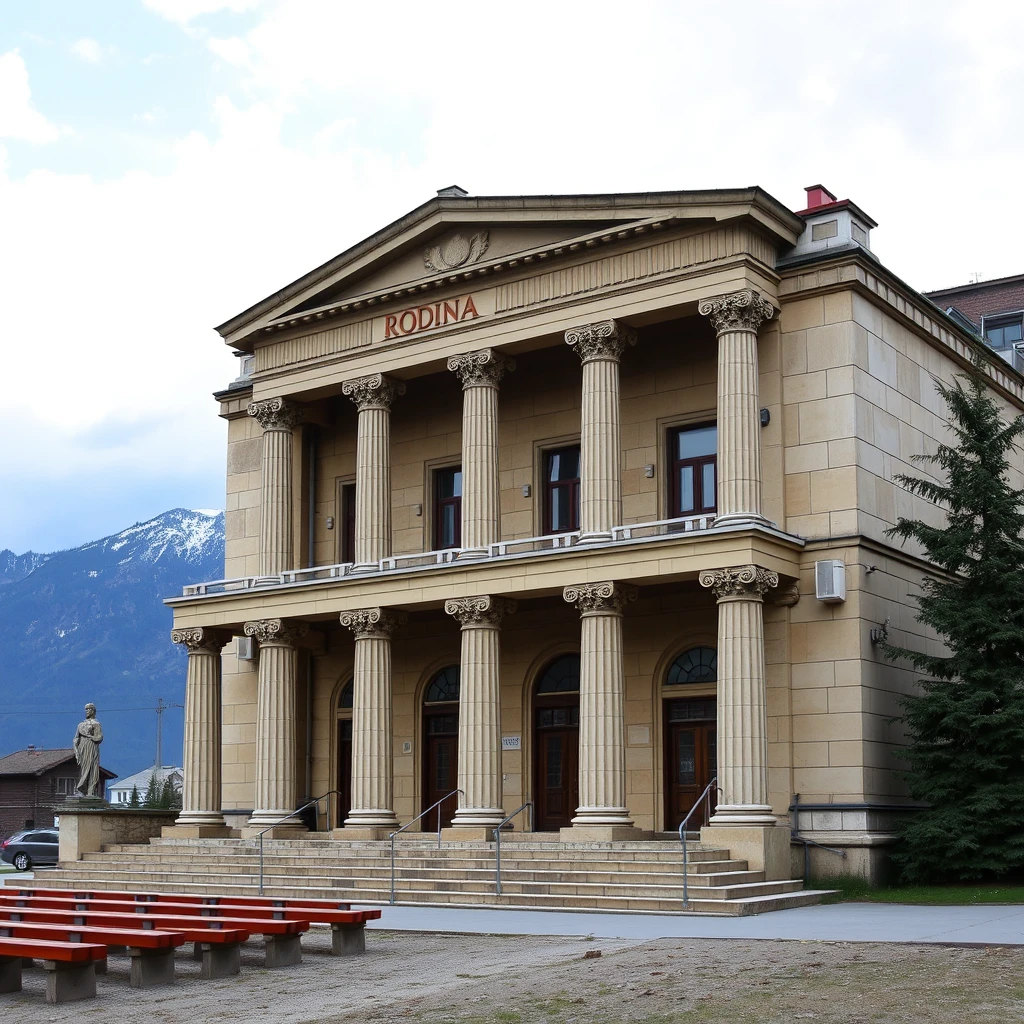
<point x="88" y="738"/>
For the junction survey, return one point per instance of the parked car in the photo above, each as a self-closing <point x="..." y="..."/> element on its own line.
<point x="33" y="846"/>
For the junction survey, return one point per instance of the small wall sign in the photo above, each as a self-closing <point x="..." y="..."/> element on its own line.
<point x="510" y="742"/>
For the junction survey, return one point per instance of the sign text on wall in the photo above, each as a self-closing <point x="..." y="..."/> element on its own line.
<point x="424" y="318"/>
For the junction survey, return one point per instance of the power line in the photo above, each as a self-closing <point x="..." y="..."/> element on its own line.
<point x="77" y="711"/>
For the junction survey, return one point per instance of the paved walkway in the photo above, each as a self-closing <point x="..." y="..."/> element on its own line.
<point x="849" y="922"/>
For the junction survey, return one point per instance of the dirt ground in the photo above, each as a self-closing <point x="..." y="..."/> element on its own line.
<point x="472" y="979"/>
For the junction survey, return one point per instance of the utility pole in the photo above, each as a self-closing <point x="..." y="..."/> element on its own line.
<point x="160" y="708"/>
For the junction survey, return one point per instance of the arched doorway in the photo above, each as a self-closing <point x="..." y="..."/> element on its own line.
<point x="344" y="754"/>
<point x="691" y="737"/>
<point x="556" y="743"/>
<point x="441" y="745"/>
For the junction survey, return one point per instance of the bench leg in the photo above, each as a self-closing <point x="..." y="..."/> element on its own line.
<point x="348" y="939"/>
<point x="151" y="967"/>
<point x="66" y="983"/>
<point x="10" y="973"/>
<point x="220" y="961"/>
<point x="197" y="950"/>
<point x="283" y="950"/>
<point x="113" y="949"/>
<point x="101" y="966"/>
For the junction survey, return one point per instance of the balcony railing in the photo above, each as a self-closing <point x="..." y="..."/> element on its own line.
<point x="528" y="546"/>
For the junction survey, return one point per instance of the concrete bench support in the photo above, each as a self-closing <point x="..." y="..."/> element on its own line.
<point x="10" y="973"/>
<point x="348" y="939"/>
<point x="151" y="967"/>
<point x="66" y="983"/>
<point x="223" y="960"/>
<point x="283" y="950"/>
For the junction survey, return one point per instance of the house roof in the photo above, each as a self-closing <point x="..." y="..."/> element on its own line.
<point x="36" y="762"/>
<point x="141" y="779"/>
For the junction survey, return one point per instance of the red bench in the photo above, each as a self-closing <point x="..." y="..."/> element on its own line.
<point x="281" y="938"/>
<point x="70" y="966"/>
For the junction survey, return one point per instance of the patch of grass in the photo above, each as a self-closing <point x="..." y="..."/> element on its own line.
<point x="968" y="894"/>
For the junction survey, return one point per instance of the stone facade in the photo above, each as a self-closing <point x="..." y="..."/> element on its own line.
<point x="682" y="580"/>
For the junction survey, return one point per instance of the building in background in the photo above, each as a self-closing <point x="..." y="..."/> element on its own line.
<point x="121" y="793"/>
<point x="33" y="785"/>
<point x="994" y="310"/>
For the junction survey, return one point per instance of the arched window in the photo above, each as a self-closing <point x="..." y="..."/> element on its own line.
<point x="697" y="665"/>
<point x="561" y="676"/>
<point x="345" y="697"/>
<point x="444" y="687"/>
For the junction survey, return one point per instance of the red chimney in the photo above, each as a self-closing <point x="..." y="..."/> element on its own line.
<point x="818" y="195"/>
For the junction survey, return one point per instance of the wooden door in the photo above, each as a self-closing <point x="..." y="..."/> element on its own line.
<point x="556" y="766"/>
<point x="344" y="799"/>
<point x="691" y="758"/>
<point x="440" y="763"/>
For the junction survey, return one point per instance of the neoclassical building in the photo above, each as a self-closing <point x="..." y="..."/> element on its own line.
<point x="578" y="501"/>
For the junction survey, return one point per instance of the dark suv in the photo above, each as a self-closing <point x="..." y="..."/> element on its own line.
<point x="34" y="846"/>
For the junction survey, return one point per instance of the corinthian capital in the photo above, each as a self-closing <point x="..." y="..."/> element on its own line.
<point x="750" y="581"/>
<point x="378" y="623"/>
<point x="479" y="611"/>
<point x="481" y="369"/>
<point x="373" y="392"/>
<point x="200" y="639"/>
<point x="600" y="598"/>
<point x="604" y="340"/>
<point x="275" y="631"/>
<point x="738" y="311"/>
<point x="276" y="414"/>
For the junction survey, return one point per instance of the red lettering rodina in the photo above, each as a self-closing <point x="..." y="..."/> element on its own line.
<point x="424" y="318"/>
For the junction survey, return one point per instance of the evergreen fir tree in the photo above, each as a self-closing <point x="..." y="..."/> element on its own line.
<point x="134" y="800"/>
<point x="168" y="794"/>
<point x="966" y="726"/>
<point x="152" y="800"/>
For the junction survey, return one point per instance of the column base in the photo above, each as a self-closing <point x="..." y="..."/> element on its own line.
<point x="743" y="815"/>
<point x="602" y="816"/>
<point x="199" y="832"/>
<point x="364" y="567"/>
<point x="468" y="833"/>
<point x="764" y="848"/>
<point x="596" y="537"/>
<point x="478" y="817"/>
<point x="469" y="554"/>
<point x="363" y="833"/>
<point x="372" y="819"/>
<point x="741" y="519"/>
<point x="603" y="834"/>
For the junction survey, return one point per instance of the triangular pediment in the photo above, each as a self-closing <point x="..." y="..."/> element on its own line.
<point x="449" y="239"/>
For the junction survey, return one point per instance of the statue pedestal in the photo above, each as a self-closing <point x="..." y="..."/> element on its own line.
<point x="89" y="825"/>
<point x="86" y="803"/>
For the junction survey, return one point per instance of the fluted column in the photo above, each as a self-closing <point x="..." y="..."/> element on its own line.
<point x="736" y="318"/>
<point x="742" y="707"/>
<point x="480" y="803"/>
<point x="275" y="721"/>
<point x="278" y="418"/>
<point x="372" y="763"/>
<point x="201" y="790"/>
<point x="373" y="396"/>
<point x="602" y="688"/>
<point x="480" y="373"/>
<point x="599" y="347"/>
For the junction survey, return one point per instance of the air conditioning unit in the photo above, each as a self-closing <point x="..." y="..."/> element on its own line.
<point x="245" y="648"/>
<point x="830" y="581"/>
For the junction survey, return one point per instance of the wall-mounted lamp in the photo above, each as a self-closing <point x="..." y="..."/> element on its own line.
<point x="330" y="522"/>
<point x="766" y="417"/>
<point x="527" y="490"/>
<point x="649" y="470"/>
<point x="417" y="510"/>
<point x="880" y="634"/>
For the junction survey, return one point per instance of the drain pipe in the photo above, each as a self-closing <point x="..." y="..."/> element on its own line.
<point x="309" y="732"/>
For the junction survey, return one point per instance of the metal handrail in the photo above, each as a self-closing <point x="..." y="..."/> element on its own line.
<point x="413" y="822"/>
<point x="299" y="810"/>
<point x="497" y="844"/>
<point x="713" y="784"/>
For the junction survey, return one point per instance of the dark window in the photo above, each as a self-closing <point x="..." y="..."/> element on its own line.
<point x="561" y="676"/>
<point x="562" y="490"/>
<point x="1003" y="333"/>
<point x="444" y="687"/>
<point x="697" y="665"/>
<point x="347" y="523"/>
<point x="693" y="456"/>
<point x="448" y="508"/>
<point x="345" y="697"/>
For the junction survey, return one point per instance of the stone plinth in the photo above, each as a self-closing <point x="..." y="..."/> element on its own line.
<point x="86" y="826"/>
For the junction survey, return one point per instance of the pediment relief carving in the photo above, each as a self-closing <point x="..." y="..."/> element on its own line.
<point x="456" y="251"/>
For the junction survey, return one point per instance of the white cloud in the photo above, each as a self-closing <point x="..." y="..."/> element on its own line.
<point x="88" y="49"/>
<point x="184" y="11"/>
<point x="18" y="118"/>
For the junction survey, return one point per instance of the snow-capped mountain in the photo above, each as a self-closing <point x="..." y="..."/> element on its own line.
<point x="88" y="624"/>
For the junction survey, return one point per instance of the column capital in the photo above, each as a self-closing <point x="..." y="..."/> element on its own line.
<point x="606" y="339"/>
<point x="378" y="623"/>
<point x="201" y="639"/>
<point x="741" y="581"/>
<point x="474" y="612"/>
<point x="276" y="414"/>
<point x="600" y="598"/>
<point x="483" y="368"/>
<point x="374" y="391"/>
<point x="275" y="631"/>
<point x="744" y="310"/>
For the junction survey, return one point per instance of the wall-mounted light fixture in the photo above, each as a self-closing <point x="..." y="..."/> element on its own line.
<point x="330" y="522"/>
<point x="649" y="470"/>
<point x="880" y="634"/>
<point x="417" y="510"/>
<point x="527" y="490"/>
<point x="766" y="417"/>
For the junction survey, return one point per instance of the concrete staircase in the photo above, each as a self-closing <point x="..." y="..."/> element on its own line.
<point x="538" y="873"/>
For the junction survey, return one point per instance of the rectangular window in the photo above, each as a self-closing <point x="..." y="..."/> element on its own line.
<point x="693" y="460"/>
<point x="65" y="786"/>
<point x="346" y="525"/>
<point x="1004" y="332"/>
<point x="562" y="490"/>
<point x="448" y="508"/>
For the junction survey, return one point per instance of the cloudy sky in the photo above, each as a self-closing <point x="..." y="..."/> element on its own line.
<point x="165" y="163"/>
